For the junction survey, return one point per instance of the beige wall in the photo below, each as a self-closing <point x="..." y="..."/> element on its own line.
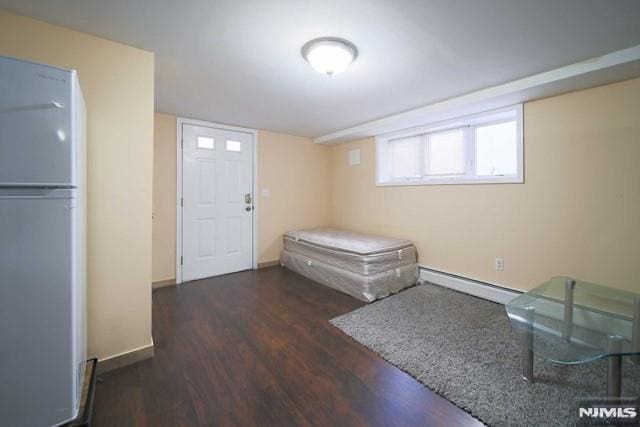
<point x="578" y="212"/>
<point x="296" y="173"/>
<point x="293" y="169"/>
<point x="117" y="82"/>
<point x="164" y="198"/>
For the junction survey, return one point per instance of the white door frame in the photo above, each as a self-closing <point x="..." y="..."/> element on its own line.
<point x="185" y="121"/>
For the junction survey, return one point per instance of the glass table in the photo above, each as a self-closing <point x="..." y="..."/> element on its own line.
<point x="569" y="321"/>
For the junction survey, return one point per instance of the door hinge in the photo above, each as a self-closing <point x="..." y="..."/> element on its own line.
<point x="181" y="260"/>
<point x="181" y="202"/>
<point x="182" y="143"/>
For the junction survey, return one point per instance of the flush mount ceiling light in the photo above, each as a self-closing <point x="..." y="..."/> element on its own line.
<point x="329" y="55"/>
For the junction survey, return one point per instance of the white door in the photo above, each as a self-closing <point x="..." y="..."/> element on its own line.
<point x="217" y="205"/>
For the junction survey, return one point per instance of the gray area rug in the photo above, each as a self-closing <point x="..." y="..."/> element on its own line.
<point x="463" y="348"/>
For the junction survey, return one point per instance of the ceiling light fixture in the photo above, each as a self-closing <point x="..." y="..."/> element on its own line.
<point x="329" y="55"/>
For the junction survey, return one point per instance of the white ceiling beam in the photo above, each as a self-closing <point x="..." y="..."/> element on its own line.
<point x="616" y="66"/>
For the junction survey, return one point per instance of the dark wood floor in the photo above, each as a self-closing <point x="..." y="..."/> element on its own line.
<point x="255" y="348"/>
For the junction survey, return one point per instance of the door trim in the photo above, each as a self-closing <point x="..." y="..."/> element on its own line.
<point x="180" y="121"/>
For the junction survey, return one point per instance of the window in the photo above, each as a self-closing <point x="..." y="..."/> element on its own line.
<point x="445" y="153"/>
<point x="234" y="145"/>
<point x="496" y="149"/>
<point x="205" y="142"/>
<point x="405" y="158"/>
<point x="484" y="148"/>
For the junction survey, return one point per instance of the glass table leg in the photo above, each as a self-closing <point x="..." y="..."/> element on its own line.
<point x="527" y="346"/>
<point x="635" y="339"/>
<point x="614" y="376"/>
<point x="569" y="287"/>
<point x="614" y="368"/>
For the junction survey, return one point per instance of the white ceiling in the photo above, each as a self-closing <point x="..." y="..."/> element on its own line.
<point x="238" y="61"/>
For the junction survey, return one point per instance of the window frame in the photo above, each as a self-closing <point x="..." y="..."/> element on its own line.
<point x="468" y="125"/>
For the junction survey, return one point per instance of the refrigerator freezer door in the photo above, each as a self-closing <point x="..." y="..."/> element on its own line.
<point x="36" y="300"/>
<point x="35" y="125"/>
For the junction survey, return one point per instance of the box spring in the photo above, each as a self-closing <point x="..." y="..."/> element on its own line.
<point x="363" y="287"/>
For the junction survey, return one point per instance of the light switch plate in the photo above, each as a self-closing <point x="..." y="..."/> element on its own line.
<point x="354" y="157"/>
<point x="265" y="192"/>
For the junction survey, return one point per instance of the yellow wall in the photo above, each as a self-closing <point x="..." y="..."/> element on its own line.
<point x="164" y="198"/>
<point x="117" y="82"/>
<point x="296" y="172"/>
<point x="578" y="212"/>
<point x="293" y="169"/>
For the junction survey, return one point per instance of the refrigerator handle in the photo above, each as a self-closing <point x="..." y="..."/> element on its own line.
<point x="36" y="193"/>
<point x="48" y="105"/>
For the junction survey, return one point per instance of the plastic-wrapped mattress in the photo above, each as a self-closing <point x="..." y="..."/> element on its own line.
<point x="355" y="262"/>
<point x="364" y="266"/>
<point x="366" y="288"/>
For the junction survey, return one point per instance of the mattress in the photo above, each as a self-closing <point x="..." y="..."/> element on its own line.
<point x="348" y="241"/>
<point x="375" y="263"/>
<point x="363" y="287"/>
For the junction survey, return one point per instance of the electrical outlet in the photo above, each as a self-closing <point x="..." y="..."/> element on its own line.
<point x="499" y="264"/>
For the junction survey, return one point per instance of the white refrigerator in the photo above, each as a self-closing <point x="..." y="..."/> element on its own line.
<point x="42" y="244"/>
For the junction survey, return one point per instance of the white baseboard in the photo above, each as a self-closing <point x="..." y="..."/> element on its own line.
<point x="162" y="283"/>
<point x="267" y="264"/>
<point x="476" y="288"/>
<point x="126" y="358"/>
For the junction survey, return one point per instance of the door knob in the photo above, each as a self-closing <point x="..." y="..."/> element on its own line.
<point x="248" y="208"/>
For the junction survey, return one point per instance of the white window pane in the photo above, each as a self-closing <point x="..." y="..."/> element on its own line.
<point x="234" y="145"/>
<point x="497" y="149"/>
<point x="205" y="142"/>
<point x="405" y="158"/>
<point x="445" y="153"/>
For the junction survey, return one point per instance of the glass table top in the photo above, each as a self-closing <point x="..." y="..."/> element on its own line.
<point x="574" y="321"/>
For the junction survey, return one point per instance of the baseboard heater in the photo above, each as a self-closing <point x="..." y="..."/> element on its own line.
<point x="469" y="286"/>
